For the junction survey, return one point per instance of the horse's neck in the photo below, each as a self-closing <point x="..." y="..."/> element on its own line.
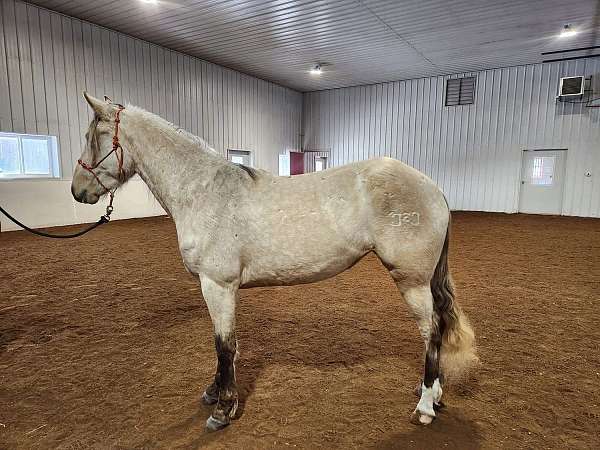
<point x="173" y="165"/>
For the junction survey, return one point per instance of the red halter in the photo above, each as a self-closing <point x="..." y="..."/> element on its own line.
<point x="115" y="149"/>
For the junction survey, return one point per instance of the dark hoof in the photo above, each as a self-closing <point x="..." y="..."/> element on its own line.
<point x="213" y="424"/>
<point x="208" y="399"/>
<point x="439" y="406"/>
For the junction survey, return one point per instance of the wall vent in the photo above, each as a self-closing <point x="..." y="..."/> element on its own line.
<point x="571" y="86"/>
<point x="460" y="91"/>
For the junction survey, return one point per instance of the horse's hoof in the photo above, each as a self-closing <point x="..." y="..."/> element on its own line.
<point x="208" y="399"/>
<point x="439" y="405"/>
<point x="418" y="418"/>
<point x="213" y="424"/>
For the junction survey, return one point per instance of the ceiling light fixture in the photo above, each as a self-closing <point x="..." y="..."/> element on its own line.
<point x="316" y="70"/>
<point x="150" y="1"/>
<point x="567" y="31"/>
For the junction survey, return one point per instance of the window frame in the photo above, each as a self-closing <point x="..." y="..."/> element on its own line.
<point x="53" y="157"/>
<point x="542" y="177"/>
<point x="240" y="152"/>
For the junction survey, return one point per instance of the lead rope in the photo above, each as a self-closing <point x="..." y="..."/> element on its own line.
<point x="103" y="219"/>
<point x="109" y="209"/>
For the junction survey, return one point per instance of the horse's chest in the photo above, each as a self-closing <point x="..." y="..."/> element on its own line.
<point x="207" y="253"/>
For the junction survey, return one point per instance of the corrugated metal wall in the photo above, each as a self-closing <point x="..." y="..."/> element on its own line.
<point x="474" y="151"/>
<point x="47" y="60"/>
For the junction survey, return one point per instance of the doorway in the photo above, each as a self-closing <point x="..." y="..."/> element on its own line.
<point x="542" y="181"/>
<point x="320" y="163"/>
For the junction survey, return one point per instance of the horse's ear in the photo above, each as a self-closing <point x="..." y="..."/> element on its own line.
<point x="107" y="99"/>
<point x="99" y="107"/>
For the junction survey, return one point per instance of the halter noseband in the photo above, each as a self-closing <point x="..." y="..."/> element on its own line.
<point x="116" y="146"/>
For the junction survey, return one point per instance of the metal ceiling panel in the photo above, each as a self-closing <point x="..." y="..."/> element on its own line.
<point x="357" y="41"/>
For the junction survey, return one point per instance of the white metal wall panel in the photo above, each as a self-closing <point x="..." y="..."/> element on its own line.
<point x="47" y="60"/>
<point x="472" y="151"/>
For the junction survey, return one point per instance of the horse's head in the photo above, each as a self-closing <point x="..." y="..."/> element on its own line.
<point x="102" y="167"/>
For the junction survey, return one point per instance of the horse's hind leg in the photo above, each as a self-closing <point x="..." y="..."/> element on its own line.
<point x="221" y="302"/>
<point x="420" y="301"/>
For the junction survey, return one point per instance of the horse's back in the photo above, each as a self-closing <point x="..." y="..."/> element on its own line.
<point x="369" y="198"/>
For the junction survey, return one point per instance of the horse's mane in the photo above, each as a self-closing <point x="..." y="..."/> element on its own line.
<point x="186" y="134"/>
<point x="192" y="138"/>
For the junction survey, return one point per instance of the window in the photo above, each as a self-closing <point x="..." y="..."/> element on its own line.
<point x="320" y="163"/>
<point x="542" y="170"/>
<point x="460" y="91"/>
<point x="240" y="157"/>
<point x="28" y="156"/>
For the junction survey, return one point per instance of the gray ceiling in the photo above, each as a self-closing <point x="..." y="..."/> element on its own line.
<point x="359" y="42"/>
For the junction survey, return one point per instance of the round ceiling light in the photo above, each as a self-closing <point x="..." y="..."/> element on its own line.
<point x="316" y="70"/>
<point x="567" y="31"/>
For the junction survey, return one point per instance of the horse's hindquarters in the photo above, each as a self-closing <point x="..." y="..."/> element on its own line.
<point x="409" y="219"/>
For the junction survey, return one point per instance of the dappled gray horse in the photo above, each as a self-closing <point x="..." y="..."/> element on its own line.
<point x="240" y="227"/>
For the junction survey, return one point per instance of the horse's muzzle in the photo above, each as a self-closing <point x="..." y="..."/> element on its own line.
<point x="83" y="196"/>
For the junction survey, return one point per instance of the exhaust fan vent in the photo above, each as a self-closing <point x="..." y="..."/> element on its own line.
<point x="570" y="86"/>
<point x="460" y="91"/>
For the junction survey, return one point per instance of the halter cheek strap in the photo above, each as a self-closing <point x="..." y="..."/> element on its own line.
<point x="118" y="151"/>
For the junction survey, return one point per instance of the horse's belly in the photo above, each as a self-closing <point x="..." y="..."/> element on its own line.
<point x="304" y="253"/>
<point x="282" y="268"/>
<point x="307" y="235"/>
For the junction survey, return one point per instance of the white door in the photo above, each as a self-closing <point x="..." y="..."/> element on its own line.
<point x="542" y="180"/>
<point x="284" y="165"/>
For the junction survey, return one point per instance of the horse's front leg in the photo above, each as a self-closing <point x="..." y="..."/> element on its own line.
<point x="221" y="301"/>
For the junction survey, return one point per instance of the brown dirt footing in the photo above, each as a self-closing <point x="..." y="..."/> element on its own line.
<point x="105" y="342"/>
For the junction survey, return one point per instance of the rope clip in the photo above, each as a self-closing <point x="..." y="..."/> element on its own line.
<point x="109" y="210"/>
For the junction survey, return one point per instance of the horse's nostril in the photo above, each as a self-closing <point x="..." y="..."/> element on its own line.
<point x="79" y="196"/>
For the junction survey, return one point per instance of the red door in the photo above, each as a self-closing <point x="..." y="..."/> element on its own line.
<point x="296" y="163"/>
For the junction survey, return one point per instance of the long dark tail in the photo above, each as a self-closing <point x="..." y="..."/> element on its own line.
<point x="458" y="353"/>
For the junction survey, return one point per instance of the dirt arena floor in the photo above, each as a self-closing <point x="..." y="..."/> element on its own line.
<point x="105" y="343"/>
